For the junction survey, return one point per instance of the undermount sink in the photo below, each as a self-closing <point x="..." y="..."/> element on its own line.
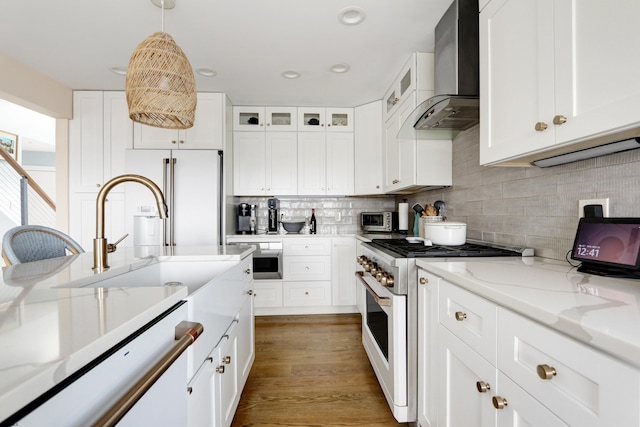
<point x="193" y="274"/>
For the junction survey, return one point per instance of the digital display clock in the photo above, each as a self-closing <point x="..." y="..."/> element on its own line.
<point x="608" y="243"/>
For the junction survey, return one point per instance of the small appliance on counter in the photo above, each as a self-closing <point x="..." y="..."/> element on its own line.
<point x="379" y="222"/>
<point x="273" y="205"/>
<point x="244" y="219"/>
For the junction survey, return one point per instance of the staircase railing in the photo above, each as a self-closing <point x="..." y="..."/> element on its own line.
<point x="22" y="200"/>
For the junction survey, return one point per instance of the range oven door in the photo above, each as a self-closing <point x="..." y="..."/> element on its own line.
<point x="384" y="336"/>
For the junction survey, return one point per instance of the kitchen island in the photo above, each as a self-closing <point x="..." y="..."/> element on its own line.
<point x="54" y="319"/>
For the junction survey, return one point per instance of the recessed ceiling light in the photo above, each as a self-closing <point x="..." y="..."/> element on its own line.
<point x="207" y="72"/>
<point x="340" y="68"/>
<point x="351" y="15"/>
<point x="119" y="70"/>
<point x="290" y="74"/>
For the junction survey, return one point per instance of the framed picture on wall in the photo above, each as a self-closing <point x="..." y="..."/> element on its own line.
<point x="9" y="142"/>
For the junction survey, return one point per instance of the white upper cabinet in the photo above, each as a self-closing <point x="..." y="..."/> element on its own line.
<point x="265" y="164"/>
<point x="416" y="75"/>
<point x="410" y="164"/>
<point x="261" y="119"/>
<point x="369" y="171"/>
<point x="317" y="119"/>
<point x="325" y="163"/>
<point x="207" y="131"/>
<point x="556" y="76"/>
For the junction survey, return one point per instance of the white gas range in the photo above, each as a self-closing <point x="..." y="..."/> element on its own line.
<point x="387" y="270"/>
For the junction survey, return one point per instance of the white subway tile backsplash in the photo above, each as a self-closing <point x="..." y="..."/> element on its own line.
<point x="326" y="210"/>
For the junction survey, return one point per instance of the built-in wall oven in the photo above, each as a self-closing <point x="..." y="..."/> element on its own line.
<point x="387" y="271"/>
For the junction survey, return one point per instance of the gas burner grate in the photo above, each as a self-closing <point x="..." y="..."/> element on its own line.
<point x="406" y="249"/>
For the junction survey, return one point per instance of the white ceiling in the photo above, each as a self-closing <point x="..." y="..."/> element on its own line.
<point x="247" y="42"/>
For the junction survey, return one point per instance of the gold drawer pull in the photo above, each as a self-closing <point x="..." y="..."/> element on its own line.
<point x="499" y="402"/>
<point x="460" y="316"/>
<point x="483" y="387"/>
<point x="559" y="120"/>
<point x="226" y="360"/>
<point x="546" y="372"/>
<point x="540" y="126"/>
<point x="423" y="281"/>
<point x="220" y="369"/>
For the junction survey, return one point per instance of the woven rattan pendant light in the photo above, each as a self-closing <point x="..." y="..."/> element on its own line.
<point x="160" y="86"/>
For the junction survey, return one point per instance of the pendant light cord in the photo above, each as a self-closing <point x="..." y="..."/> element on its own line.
<point x="162" y="6"/>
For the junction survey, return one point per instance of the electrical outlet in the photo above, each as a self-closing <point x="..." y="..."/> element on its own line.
<point x="603" y="202"/>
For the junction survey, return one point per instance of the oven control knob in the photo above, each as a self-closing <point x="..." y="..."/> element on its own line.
<point x="367" y="266"/>
<point x="380" y="275"/>
<point x="362" y="260"/>
<point x="387" y="281"/>
<point x="374" y="270"/>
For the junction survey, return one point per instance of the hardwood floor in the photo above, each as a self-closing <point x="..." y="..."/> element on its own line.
<point x="312" y="371"/>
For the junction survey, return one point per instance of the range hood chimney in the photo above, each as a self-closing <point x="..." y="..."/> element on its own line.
<point x="456" y="76"/>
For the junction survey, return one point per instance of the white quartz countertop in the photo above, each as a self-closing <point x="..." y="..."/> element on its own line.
<point x="365" y="237"/>
<point x="601" y="312"/>
<point x="49" y="330"/>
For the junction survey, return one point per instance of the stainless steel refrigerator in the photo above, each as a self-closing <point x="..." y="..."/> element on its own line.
<point x="191" y="181"/>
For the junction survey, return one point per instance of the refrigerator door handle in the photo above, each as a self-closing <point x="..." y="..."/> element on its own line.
<point x="165" y="185"/>
<point x="172" y="204"/>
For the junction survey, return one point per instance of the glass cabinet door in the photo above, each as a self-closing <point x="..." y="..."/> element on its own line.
<point x="281" y="119"/>
<point x="249" y="118"/>
<point x="339" y="119"/>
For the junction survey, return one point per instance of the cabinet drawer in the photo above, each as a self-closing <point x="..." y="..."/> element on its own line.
<point x="589" y="387"/>
<point x="267" y="293"/>
<point x="470" y="318"/>
<point x="307" y="268"/>
<point x="306" y="247"/>
<point x="302" y="294"/>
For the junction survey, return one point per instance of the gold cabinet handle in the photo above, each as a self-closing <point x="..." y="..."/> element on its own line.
<point x="181" y="141"/>
<point x="483" y="387"/>
<point x="499" y="402"/>
<point x="423" y="281"/>
<point x="186" y="333"/>
<point x="220" y="369"/>
<point x="546" y="372"/>
<point x="559" y="120"/>
<point x="247" y="271"/>
<point x="540" y="126"/>
<point x="226" y="360"/>
<point x="173" y="141"/>
<point x="460" y="316"/>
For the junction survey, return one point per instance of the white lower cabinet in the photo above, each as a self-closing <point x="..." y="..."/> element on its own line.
<point x="306" y="272"/>
<point x="268" y="293"/>
<point x="461" y="369"/>
<point x="343" y="281"/>
<point x="317" y="278"/>
<point x="577" y="383"/>
<point x="306" y="294"/>
<point x="215" y="388"/>
<point x="498" y="368"/>
<point x="427" y="349"/>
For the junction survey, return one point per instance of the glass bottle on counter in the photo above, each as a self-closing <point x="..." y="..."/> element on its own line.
<point x="313" y="223"/>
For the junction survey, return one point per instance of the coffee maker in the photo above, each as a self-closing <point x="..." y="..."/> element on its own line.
<point x="244" y="219"/>
<point x="273" y="205"/>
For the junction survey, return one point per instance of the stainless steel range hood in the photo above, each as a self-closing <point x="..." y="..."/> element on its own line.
<point x="456" y="76"/>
